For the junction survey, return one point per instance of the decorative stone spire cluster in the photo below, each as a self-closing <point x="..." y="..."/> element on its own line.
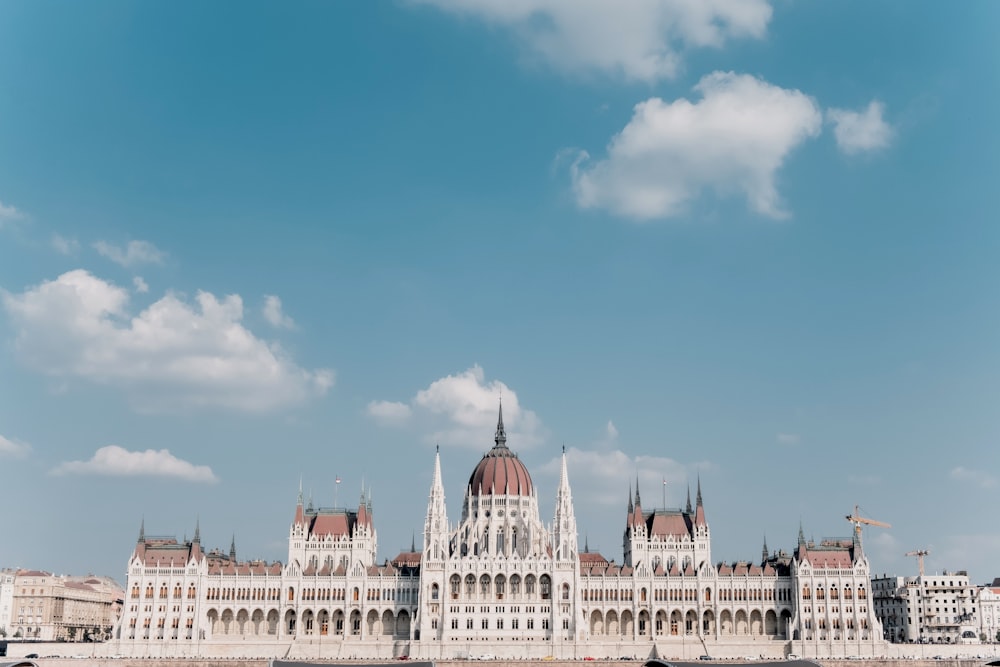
<point x="436" y="523"/>
<point x="564" y="529"/>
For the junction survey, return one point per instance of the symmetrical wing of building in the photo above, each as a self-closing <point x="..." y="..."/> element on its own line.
<point x="499" y="581"/>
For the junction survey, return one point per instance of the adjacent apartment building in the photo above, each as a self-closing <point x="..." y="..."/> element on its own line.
<point x="48" y="607"/>
<point x="935" y="608"/>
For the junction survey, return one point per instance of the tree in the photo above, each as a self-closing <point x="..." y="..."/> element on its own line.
<point x="18" y="635"/>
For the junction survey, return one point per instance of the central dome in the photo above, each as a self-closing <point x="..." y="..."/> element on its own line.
<point x="500" y="472"/>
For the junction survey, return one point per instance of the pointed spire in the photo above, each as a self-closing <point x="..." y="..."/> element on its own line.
<point x="763" y="552"/>
<point x="563" y="474"/>
<point x="197" y="530"/>
<point x="630" y="508"/>
<point x="802" y="535"/>
<point x="501" y="436"/>
<point x="698" y="501"/>
<point x="232" y="548"/>
<point x="586" y="544"/>
<point x="413" y="542"/>
<point x="300" y="489"/>
<point x="637" y="503"/>
<point x="142" y="530"/>
<point x="688" y="509"/>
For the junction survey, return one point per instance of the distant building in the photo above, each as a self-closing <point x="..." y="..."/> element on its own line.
<point x="52" y="607"/>
<point x="936" y="608"/>
<point x="6" y="601"/>
<point x="499" y="581"/>
<point x="989" y="611"/>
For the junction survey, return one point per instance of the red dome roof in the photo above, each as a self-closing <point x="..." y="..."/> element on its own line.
<point x="500" y="472"/>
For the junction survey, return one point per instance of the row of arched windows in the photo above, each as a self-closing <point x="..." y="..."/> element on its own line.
<point x="821" y="594"/>
<point x="241" y="593"/>
<point x="499" y="586"/>
<point x="609" y="594"/>
<point x="191" y="591"/>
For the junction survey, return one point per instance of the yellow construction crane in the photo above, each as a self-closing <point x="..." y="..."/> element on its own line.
<point x="919" y="553"/>
<point x="859" y="521"/>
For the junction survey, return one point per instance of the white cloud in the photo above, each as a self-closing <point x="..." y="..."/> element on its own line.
<point x="13" y="448"/>
<point x="274" y="315"/>
<point x="611" y="432"/>
<point x="63" y="245"/>
<point x="140" y="285"/>
<point x="462" y="410"/>
<point x="136" y="252"/>
<point x="788" y="438"/>
<point x="8" y="212"/>
<point x="607" y="475"/>
<point x="639" y="40"/>
<point x="171" y="356"/>
<point x="979" y="478"/>
<point x="389" y="411"/>
<point x="860" y="131"/>
<point x="116" y="461"/>
<point x="733" y="140"/>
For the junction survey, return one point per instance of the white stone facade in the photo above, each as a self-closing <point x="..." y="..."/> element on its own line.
<point x="989" y="612"/>
<point x="499" y="582"/>
<point x="935" y="609"/>
<point x="6" y="601"/>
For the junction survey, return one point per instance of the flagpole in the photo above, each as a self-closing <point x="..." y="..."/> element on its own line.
<point x="664" y="493"/>
<point x="335" y="490"/>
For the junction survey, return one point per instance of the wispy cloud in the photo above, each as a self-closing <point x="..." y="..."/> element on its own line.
<point x="860" y="131"/>
<point x="461" y="409"/>
<point x="733" y="140"/>
<point x="979" y="478"/>
<point x="8" y="212"/>
<point x="274" y="315"/>
<point x="63" y="245"/>
<point x="117" y="461"/>
<point x="788" y="438"/>
<point x="13" y="448"/>
<point x="140" y="285"/>
<point x="172" y="356"/>
<point x="388" y="411"/>
<point x="608" y="474"/>
<point x="134" y="253"/>
<point x="635" y="41"/>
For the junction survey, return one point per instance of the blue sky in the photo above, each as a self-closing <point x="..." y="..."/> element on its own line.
<point x="244" y="244"/>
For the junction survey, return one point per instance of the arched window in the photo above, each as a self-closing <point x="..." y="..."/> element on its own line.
<point x="291" y="593"/>
<point x="456" y="583"/>
<point x="499" y="585"/>
<point x="434" y="592"/>
<point x="565" y="591"/>
<point x="545" y="586"/>
<point x="708" y="595"/>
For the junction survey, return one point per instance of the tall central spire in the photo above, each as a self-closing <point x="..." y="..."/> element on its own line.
<point x="501" y="436"/>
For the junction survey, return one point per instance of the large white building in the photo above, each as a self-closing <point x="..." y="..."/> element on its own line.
<point x="935" y="608"/>
<point x="497" y="581"/>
